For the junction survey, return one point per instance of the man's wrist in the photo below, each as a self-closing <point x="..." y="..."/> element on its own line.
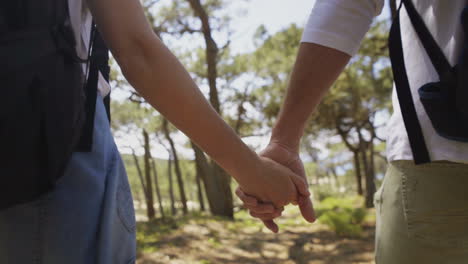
<point x="286" y="139"/>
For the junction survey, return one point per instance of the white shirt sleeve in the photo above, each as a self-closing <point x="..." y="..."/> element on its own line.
<point x="341" y="24"/>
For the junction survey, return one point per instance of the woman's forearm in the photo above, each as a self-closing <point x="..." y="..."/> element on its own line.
<point x="159" y="77"/>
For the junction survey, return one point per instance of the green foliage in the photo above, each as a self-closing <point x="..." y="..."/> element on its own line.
<point x="342" y="215"/>
<point x="149" y="233"/>
<point x="332" y="203"/>
<point x="340" y="222"/>
<point x="324" y="191"/>
<point x="272" y="64"/>
<point x="214" y="241"/>
<point x="131" y="117"/>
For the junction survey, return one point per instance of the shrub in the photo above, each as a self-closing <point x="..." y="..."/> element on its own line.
<point x="340" y="223"/>
<point x="342" y="215"/>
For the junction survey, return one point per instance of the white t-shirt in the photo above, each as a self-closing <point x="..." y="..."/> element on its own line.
<point x="342" y="24"/>
<point x="81" y="20"/>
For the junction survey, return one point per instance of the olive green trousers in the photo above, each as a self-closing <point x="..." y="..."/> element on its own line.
<point x="422" y="214"/>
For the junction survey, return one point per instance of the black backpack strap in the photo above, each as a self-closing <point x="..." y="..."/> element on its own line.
<point x="405" y="98"/>
<point x="101" y="55"/>
<point x="435" y="53"/>
<point x="86" y="141"/>
<point x="107" y="105"/>
<point x="104" y="68"/>
<point x="462" y="87"/>
<point x="98" y="63"/>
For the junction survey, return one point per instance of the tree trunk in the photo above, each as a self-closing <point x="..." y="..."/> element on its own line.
<point x="180" y="181"/>
<point x="211" y="51"/>
<point x="140" y="174"/>
<point x="358" y="172"/>
<point x="357" y="161"/>
<point x="219" y="196"/>
<point x="198" y="176"/>
<point x="372" y="158"/>
<point x="226" y="191"/>
<point x="158" y="190"/>
<point x="335" y="178"/>
<point x="370" y="184"/>
<point x="369" y="193"/>
<point x="149" y="185"/>
<point x="140" y="177"/>
<point x="171" y="186"/>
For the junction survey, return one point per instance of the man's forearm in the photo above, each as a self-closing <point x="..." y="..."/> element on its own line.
<point x="315" y="70"/>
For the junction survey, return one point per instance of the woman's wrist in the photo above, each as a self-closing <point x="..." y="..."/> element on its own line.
<point x="239" y="161"/>
<point x="246" y="167"/>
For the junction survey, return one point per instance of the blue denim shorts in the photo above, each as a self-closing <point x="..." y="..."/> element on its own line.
<point x="88" y="218"/>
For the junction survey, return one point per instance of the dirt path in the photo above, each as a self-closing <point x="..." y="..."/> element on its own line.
<point x="210" y="242"/>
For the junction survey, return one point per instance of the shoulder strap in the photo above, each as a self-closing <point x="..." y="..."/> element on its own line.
<point x="86" y="141"/>
<point x="462" y="67"/>
<point x="437" y="56"/>
<point x="405" y="98"/>
<point x="98" y="63"/>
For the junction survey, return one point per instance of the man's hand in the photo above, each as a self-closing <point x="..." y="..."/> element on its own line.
<point x="270" y="181"/>
<point x="267" y="212"/>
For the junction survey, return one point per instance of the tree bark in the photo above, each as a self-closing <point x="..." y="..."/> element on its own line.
<point x="372" y="159"/>
<point x="357" y="171"/>
<point x="140" y="174"/>
<point x="198" y="176"/>
<point x="180" y="181"/>
<point x="216" y="178"/>
<point x="149" y="185"/>
<point x="335" y="177"/>
<point x="171" y="186"/>
<point x="158" y="190"/>
<point x="226" y="191"/>
<point x="219" y="197"/>
<point x="211" y="51"/>
<point x="357" y="160"/>
<point x="370" y="184"/>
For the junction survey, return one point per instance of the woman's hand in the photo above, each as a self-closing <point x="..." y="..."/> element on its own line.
<point x="267" y="212"/>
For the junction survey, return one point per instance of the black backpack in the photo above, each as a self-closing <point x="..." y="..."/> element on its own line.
<point x="446" y="101"/>
<point x="45" y="112"/>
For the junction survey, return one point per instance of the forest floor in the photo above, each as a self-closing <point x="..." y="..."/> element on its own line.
<point x="200" y="239"/>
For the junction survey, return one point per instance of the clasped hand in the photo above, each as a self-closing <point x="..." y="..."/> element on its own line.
<point x="281" y="181"/>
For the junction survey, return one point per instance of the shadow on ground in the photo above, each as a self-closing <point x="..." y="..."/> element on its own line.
<point x="208" y="242"/>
